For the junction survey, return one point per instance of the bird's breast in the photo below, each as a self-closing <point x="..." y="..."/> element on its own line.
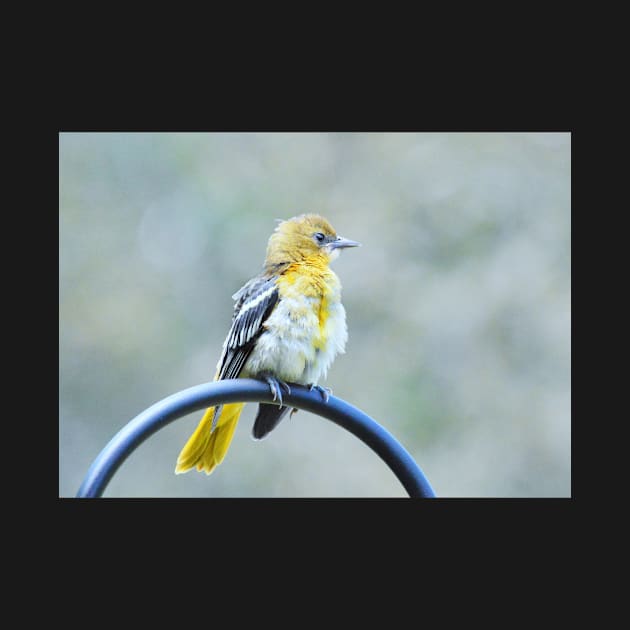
<point x="305" y="331"/>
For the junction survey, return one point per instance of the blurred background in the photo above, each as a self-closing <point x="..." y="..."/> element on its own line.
<point x="458" y="304"/>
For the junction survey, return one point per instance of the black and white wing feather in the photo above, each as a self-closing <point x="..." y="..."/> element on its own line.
<point x="254" y="303"/>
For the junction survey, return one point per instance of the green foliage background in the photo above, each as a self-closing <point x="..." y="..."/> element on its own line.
<point x="458" y="303"/>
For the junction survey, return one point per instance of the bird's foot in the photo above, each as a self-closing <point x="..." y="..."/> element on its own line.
<point x="276" y="387"/>
<point x="324" y="391"/>
<point x="293" y="411"/>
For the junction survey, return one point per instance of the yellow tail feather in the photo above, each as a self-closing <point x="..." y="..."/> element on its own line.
<point x="205" y="450"/>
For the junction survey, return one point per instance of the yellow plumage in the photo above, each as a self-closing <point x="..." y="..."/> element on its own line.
<point x="288" y="326"/>
<point x="205" y="449"/>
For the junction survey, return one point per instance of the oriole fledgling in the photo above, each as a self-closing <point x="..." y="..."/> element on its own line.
<point x="288" y="326"/>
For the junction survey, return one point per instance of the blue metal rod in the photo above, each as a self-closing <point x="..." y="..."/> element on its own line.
<point x="249" y="390"/>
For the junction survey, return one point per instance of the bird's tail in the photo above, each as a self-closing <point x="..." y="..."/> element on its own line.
<point x="205" y="448"/>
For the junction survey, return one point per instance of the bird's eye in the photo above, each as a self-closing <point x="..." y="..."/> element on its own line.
<point x="319" y="237"/>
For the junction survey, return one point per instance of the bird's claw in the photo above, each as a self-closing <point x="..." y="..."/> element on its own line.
<point x="276" y="387"/>
<point x="324" y="391"/>
<point x="293" y="411"/>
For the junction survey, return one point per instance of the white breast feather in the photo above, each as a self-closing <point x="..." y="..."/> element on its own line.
<point x="287" y="348"/>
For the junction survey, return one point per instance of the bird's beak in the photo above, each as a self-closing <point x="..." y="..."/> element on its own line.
<point x="342" y="242"/>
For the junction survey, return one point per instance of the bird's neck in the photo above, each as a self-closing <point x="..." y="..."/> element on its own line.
<point x="316" y="264"/>
<point x="311" y="277"/>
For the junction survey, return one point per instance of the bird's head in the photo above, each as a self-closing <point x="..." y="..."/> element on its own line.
<point x="307" y="236"/>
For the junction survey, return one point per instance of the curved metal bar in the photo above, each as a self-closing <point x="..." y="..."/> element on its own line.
<point x="249" y="390"/>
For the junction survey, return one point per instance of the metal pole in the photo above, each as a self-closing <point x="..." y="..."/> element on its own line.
<point x="249" y="390"/>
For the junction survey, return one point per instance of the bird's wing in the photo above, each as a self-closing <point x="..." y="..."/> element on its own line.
<point x="254" y="303"/>
<point x="267" y="419"/>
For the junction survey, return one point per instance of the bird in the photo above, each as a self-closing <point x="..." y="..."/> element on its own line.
<point x="287" y="327"/>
